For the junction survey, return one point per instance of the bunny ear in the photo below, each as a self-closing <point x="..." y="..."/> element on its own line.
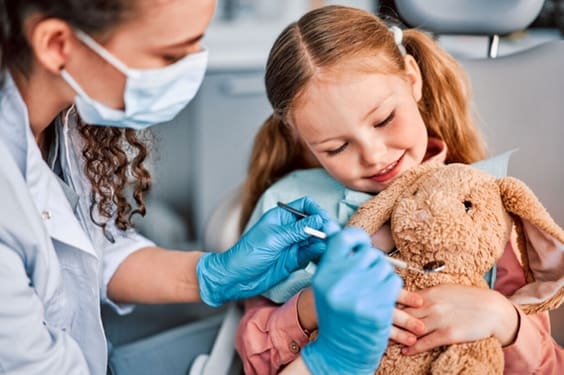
<point x="375" y="212"/>
<point x="541" y="244"/>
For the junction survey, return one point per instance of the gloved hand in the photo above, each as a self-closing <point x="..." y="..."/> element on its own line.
<point x="274" y="247"/>
<point x="355" y="291"/>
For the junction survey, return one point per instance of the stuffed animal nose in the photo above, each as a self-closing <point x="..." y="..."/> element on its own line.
<point x="421" y="215"/>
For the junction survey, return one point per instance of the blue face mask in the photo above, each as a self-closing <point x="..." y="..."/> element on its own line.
<point x="151" y="96"/>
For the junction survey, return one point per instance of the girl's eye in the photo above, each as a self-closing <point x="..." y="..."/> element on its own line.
<point x="386" y="121"/>
<point x="338" y="150"/>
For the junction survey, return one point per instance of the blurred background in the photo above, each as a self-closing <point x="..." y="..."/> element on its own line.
<point x="201" y="156"/>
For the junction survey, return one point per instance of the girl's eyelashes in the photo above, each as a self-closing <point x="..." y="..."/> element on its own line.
<point x="338" y="150"/>
<point x="386" y="121"/>
<point x="341" y="148"/>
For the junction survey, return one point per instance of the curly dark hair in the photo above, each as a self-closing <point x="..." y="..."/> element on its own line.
<point x="113" y="162"/>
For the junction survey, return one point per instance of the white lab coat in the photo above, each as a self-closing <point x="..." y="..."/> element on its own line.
<point x="55" y="263"/>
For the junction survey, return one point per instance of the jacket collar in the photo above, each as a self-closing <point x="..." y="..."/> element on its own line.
<point x="14" y="122"/>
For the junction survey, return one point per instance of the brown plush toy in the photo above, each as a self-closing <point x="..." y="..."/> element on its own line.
<point x="464" y="217"/>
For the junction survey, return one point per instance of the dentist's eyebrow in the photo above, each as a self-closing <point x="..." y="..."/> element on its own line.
<point x="184" y="43"/>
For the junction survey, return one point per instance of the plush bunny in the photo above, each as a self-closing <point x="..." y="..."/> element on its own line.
<point x="464" y="217"/>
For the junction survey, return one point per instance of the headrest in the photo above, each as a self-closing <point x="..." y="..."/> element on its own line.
<point x="472" y="17"/>
<point x="222" y="228"/>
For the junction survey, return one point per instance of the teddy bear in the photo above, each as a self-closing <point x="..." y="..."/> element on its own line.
<point x="463" y="217"/>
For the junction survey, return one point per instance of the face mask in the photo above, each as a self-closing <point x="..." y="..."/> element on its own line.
<point x="151" y="96"/>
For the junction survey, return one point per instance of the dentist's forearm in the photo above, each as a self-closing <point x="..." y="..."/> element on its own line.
<point x="156" y="275"/>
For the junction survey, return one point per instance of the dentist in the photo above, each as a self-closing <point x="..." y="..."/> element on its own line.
<point x="78" y="79"/>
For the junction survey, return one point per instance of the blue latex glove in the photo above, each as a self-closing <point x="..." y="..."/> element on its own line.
<point x="355" y="291"/>
<point x="266" y="254"/>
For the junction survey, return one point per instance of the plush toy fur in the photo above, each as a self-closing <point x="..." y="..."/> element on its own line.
<point x="464" y="217"/>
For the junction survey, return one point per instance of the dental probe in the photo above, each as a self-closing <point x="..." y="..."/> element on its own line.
<point x="309" y="230"/>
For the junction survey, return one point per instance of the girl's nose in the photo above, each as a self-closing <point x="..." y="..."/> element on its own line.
<point x="373" y="152"/>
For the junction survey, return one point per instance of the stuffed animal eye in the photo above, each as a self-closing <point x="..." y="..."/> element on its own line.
<point x="467" y="205"/>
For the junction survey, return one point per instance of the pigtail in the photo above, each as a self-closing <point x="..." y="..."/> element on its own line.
<point x="445" y="103"/>
<point x="276" y="152"/>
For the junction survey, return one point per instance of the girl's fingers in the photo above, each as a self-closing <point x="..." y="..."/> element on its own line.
<point x="402" y="337"/>
<point x="407" y="322"/>
<point x="426" y="343"/>
<point x="410" y="299"/>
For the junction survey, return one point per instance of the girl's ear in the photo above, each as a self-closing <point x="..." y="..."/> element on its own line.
<point x="541" y="244"/>
<point x="375" y="212"/>
<point x="50" y="40"/>
<point x="414" y="76"/>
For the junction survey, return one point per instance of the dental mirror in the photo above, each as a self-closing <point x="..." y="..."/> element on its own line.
<point x="434" y="266"/>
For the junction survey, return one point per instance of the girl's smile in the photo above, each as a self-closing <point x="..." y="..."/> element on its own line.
<point x="388" y="173"/>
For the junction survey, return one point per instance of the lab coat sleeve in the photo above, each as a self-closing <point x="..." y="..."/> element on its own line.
<point x="269" y="335"/>
<point x="126" y="242"/>
<point x="28" y="345"/>
<point x="534" y="351"/>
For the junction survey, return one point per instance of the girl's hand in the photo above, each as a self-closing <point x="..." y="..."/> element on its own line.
<point x="404" y="331"/>
<point x="454" y="314"/>
<point x="306" y="310"/>
<point x="406" y="328"/>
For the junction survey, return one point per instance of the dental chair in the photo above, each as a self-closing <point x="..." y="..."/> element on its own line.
<point x="221" y="232"/>
<point x="518" y="98"/>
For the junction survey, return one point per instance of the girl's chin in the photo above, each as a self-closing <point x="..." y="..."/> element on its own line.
<point x="369" y="188"/>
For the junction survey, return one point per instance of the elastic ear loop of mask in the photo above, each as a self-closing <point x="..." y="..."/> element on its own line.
<point x="104" y="53"/>
<point x="74" y="85"/>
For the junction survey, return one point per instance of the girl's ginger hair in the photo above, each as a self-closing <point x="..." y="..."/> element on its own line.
<point x="321" y="41"/>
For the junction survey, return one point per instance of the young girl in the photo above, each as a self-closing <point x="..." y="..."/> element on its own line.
<point x="366" y="102"/>
<point x="77" y="77"/>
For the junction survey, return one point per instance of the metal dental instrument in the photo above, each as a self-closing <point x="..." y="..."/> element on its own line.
<point x="309" y="230"/>
<point x="434" y="266"/>
<point x="291" y="209"/>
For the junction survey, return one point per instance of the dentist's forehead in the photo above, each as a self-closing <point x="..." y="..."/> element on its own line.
<point x="166" y="22"/>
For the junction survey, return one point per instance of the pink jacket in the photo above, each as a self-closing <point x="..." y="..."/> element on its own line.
<point x="270" y="336"/>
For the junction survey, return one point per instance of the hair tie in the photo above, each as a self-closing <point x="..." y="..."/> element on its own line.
<point x="398" y="38"/>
